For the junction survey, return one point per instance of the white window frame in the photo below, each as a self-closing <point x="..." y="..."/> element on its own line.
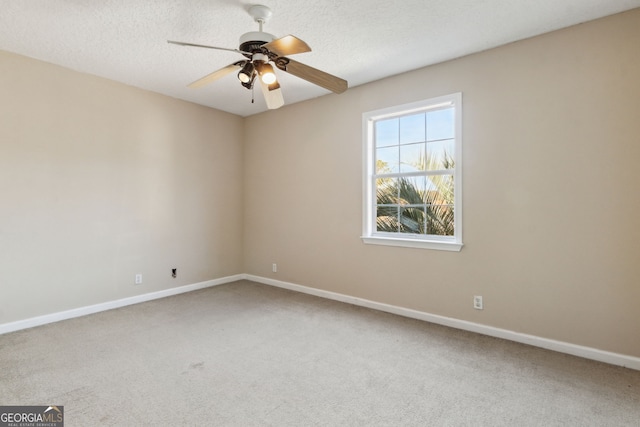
<point x="370" y="235"/>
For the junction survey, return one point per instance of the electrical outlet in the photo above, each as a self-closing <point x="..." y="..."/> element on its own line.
<point x="477" y="302"/>
<point x="138" y="279"/>
<point x="274" y="267"/>
<point x="174" y="272"/>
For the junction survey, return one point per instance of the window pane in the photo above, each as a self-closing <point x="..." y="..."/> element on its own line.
<point x="412" y="128"/>
<point x="440" y="124"/>
<point x="440" y="220"/>
<point x="411" y="191"/>
<point x="387" y="132"/>
<point x="440" y="190"/>
<point x="440" y="155"/>
<point x="387" y="219"/>
<point x="387" y="160"/>
<point x="387" y="191"/>
<point x="412" y="220"/>
<point x="439" y="200"/>
<point x="412" y="158"/>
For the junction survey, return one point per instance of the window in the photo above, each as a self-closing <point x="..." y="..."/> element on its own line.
<point x="412" y="183"/>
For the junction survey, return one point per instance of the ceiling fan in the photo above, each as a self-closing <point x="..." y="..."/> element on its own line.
<point x="262" y="50"/>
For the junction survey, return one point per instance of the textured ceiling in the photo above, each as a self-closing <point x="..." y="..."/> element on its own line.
<point x="358" y="40"/>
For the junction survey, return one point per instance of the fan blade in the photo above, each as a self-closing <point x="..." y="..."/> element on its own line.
<point x="208" y="47"/>
<point x="272" y="94"/>
<point x="287" y="45"/>
<point x="313" y="75"/>
<point x="216" y="75"/>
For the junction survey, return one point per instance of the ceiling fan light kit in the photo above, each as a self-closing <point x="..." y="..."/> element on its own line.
<point x="246" y="73"/>
<point x="266" y="72"/>
<point x="261" y="49"/>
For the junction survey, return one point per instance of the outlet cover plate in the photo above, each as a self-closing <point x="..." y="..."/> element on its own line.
<point x="477" y="302"/>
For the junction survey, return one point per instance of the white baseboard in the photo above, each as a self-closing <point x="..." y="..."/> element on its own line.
<point x="109" y="305"/>
<point x="559" y="346"/>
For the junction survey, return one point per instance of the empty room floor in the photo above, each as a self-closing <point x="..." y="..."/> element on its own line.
<point x="247" y="354"/>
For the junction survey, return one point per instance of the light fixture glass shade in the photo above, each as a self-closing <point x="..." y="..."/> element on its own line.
<point x="245" y="75"/>
<point x="267" y="74"/>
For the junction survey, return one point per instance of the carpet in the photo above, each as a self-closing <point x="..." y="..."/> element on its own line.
<point x="247" y="354"/>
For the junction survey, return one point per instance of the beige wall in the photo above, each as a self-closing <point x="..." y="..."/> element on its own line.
<point x="100" y="181"/>
<point x="551" y="190"/>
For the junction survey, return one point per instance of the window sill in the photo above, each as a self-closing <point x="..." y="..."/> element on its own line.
<point x="413" y="243"/>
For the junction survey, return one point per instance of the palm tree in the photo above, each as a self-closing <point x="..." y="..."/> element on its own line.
<point x="403" y="206"/>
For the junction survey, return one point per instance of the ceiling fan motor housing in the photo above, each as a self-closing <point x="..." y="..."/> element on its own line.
<point x="251" y="41"/>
